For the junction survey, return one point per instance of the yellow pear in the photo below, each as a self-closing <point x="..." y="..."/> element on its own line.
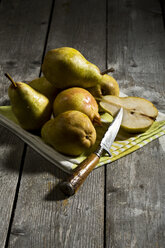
<point x="70" y="133"/>
<point x="66" y="67"/>
<point x="31" y="108"/>
<point x="76" y="98"/>
<point x="43" y="86"/>
<point x="107" y="86"/>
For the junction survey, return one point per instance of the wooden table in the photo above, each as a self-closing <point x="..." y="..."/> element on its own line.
<point x="121" y="204"/>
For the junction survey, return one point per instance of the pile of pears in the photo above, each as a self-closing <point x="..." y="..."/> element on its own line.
<point x="64" y="103"/>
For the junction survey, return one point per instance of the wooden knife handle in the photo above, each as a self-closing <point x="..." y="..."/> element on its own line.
<point x="72" y="184"/>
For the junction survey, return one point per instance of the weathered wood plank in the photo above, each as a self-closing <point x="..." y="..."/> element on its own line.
<point x="83" y="27"/>
<point x="10" y="162"/>
<point x="21" y="44"/>
<point x="44" y="218"/>
<point x="41" y="219"/>
<point x="135" y="199"/>
<point x="136" y="48"/>
<point x="135" y="215"/>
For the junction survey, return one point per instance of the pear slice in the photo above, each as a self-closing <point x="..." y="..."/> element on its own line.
<point x="138" y="115"/>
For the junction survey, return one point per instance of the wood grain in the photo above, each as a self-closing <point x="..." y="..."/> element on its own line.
<point x="22" y="41"/>
<point x="10" y="163"/>
<point x="121" y="204"/>
<point x="136" y="48"/>
<point x="82" y="26"/>
<point x="43" y="217"/>
<point x="135" y="215"/>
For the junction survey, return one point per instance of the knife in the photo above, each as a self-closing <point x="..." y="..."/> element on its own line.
<point x="73" y="183"/>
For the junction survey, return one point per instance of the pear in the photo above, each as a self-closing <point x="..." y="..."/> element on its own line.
<point x="31" y="108"/>
<point x="43" y="86"/>
<point x="66" y="67"/>
<point x="139" y="113"/>
<point x="77" y="98"/>
<point x="70" y="133"/>
<point x="107" y="86"/>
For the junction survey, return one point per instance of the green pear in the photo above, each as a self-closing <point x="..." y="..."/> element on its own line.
<point x="66" y="67"/>
<point x="107" y="86"/>
<point x="70" y="133"/>
<point x="31" y="108"/>
<point x="77" y="98"/>
<point x="138" y="115"/>
<point x="43" y="86"/>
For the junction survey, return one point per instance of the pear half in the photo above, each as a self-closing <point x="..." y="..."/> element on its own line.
<point x="138" y="115"/>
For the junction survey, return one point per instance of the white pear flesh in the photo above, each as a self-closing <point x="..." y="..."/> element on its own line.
<point x="138" y="115"/>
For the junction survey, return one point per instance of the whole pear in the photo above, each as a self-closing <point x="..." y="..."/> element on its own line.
<point x="77" y="98"/>
<point x="66" y="67"/>
<point x="31" y="108"/>
<point x="70" y="133"/>
<point x="43" y="86"/>
<point x="107" y="86"/>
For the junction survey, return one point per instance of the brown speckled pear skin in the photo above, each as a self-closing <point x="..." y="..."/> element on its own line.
<point x="139" y="113"/>
<point x="70" y="133"/>
<point x="31" y="108"/>
<point x="77" y="98"/>
<point x="66" y="67"/>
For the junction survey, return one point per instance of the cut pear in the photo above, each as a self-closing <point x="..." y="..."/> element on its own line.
<point x="138" y="115"/>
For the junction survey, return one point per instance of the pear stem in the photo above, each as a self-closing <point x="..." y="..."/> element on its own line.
<point x="11" y="80"/>
<point x="107" y="70"/>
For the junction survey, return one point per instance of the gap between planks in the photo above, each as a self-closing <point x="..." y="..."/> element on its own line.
<point x="162" y="6"/>
<point x="25" y="145"/>
<point x="105" y="166"/>
<point x="47" y="34"/>
<point x="16" y="195"/>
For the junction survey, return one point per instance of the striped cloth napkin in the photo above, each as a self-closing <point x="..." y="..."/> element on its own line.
<point x="123" y="145"/>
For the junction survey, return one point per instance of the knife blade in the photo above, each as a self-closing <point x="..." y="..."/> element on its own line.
<point x="73" y="183"/>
